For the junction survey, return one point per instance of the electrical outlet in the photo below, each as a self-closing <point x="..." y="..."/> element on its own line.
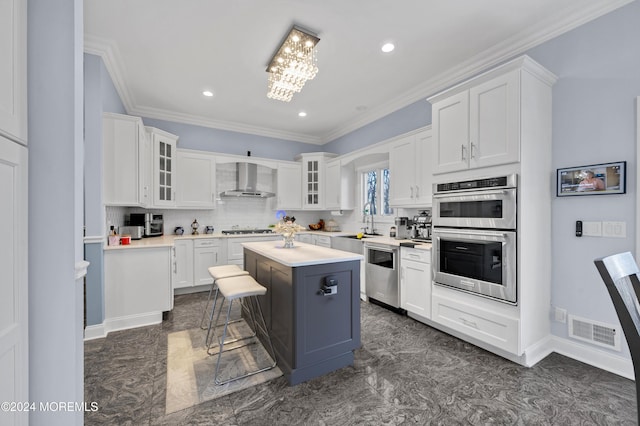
<point x="614" y="229"/>
<point x="592" y="229"/>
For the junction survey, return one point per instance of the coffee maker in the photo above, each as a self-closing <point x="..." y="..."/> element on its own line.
<point x="421" y="229"/>
<point x="403" y="226"/>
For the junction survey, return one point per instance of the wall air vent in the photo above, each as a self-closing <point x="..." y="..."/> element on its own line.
<point x="597" y="333"/>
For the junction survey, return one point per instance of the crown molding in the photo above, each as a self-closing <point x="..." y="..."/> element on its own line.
<point x="490" y="58"/>
<point x="161" y="114"/>
<point x="108" y="51"/>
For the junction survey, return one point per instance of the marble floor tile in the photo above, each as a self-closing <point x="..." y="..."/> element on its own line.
<point x="404" y="373"/>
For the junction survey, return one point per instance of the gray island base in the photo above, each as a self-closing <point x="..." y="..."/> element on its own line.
<point x="312" y="305"/>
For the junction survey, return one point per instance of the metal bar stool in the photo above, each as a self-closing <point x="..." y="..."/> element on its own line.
<point x="242" y="287"/>
<point x="217" y="273"/>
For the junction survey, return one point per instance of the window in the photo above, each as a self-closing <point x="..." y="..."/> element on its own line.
<point x="375" y="193"/>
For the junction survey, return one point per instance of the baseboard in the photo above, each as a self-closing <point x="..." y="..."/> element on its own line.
<point x="121" y="323"/>
<point x="94" y="332"/>
<point x="538" y="351"/>
<point x="605" y="361"/>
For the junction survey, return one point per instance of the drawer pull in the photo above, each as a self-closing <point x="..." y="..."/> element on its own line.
<point x="469" y="323"/>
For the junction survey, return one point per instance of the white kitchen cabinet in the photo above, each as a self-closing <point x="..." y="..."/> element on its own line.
<point x="477" y="321"/>
<point x="137" y="286"/>
<point x="478" y="123"/>
<point x="14" y="303"/>
<point x="164" y="146"/>
<point x="313" y="179"/>
<point x="415" y="282"/>
<point x="235" y="251"/>
<point x="321" y="240"/>
<point x="207" y="252"/>
<point x="305" y="238"/>
<point x="411" y="166"/>
<point x="182" y="263"/>
<point x="289" y="186"/>
<point x="339" y="186"/>
<point x="196" y="187"/>
<point x="126" y="161"/>
<point x="13" y="70"/>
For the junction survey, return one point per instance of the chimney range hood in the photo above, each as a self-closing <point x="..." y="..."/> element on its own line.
<point x="246" y="183"/>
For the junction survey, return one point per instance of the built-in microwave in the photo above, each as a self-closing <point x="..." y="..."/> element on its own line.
<point x="489" y="203"/>
<point x="153" y="223"/>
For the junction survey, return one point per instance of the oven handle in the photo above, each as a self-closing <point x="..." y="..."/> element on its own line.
<point x="473" y="193"/>
<point x="470" y="232"/>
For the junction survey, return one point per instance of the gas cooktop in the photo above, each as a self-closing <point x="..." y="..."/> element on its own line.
<point x="246" y="231"/>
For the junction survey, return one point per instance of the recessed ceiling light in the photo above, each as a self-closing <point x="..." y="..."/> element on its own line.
<point x="387" y="47"/>
<point x="208" y="93"/>
<point x="302" y="114"/>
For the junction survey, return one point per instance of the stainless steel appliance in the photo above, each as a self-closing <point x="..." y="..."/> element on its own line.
<point x="153" y="223"/>
<point x="403" y="228"/>
<point x="475" y="237"/>
<point x="381" y="270"/>
<point x="481" y="203"/>
<point x="136" y="232"/>
<point x="422" y="226"/>
<point x="246" y="183"/>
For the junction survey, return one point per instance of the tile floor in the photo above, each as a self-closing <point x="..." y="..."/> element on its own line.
<point x="405" y="373"/>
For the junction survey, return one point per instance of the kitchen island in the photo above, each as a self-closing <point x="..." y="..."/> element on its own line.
<point x="312" y="305"/>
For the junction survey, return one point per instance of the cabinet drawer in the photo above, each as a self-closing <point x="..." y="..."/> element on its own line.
<point x="489" y="327"/>
<point x="417" y="255"/>
<point x="323" y="240"/>
<point x="213" y="242"/>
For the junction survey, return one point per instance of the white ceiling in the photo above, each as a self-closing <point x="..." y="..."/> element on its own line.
<point x="162" y="54"/>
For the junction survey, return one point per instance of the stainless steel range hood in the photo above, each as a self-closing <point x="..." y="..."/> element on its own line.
<point x="246" y="183"/>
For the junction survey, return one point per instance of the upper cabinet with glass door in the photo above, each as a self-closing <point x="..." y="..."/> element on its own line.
<point x="313" y="179"/>
<point x="164" y="167"/>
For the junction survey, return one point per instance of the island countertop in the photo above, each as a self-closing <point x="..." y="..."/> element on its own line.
<point x="301" y="254"/>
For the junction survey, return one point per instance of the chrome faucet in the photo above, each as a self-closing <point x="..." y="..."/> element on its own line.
<point x="367" y="208"/>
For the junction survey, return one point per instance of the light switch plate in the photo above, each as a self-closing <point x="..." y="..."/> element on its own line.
<point x="592" y="229"/>
<point x="614" y="229"/>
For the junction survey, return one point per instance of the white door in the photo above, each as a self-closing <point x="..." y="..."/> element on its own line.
<point x="415" y="292"/>
<point x="402" y="169"/>
<point x="13" y="282"/>
<point x="13" y="69"/>
<point x="424" y="169"/>
<point x="183" y="263"/>
<point x="450" y="124"/>
<point x="494" y="121"/>
<point x="289" y="194"/>
<point x="197" y="184"/>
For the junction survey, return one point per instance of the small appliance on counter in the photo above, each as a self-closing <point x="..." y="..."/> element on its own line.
<point x="179" y="230"/>
<point x="208" y="229"/>
<point x="153" y="223"/>
<point x="421" y="229"/>
<point x="403" y="228"/>
<point x="136" y="232"/>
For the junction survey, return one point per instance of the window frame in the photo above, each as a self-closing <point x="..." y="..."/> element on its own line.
<point x="379" y="166"/>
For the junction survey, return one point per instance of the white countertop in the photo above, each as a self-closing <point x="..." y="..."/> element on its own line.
<point x="168" y="240"/>
<point x="301" y="254"/>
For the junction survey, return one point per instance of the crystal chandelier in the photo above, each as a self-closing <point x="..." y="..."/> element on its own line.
<point x="292" y="65"/>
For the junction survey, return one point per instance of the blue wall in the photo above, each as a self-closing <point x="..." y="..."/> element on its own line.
<point x="216" y="140"/>
<point x="593" y="122"/>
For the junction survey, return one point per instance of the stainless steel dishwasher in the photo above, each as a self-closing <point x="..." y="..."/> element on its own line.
<point x="382" y="273"/>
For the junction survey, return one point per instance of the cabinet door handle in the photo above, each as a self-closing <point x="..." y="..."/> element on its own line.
<point x="175" y="261"/>
<point x="216" y="258"/>
<point x="417" y="192"/>
<point x="462" y="151"/>
<point x="411" y="188"/>
<point x="472" y="149"/>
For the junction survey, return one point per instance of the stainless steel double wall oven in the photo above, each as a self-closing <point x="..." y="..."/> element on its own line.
<point x="475" y="236"/>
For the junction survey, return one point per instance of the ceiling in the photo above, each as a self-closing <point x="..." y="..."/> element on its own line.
<point x="161" y="55"/>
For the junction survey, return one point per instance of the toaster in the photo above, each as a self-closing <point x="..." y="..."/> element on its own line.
<point x="136" y="232"/>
